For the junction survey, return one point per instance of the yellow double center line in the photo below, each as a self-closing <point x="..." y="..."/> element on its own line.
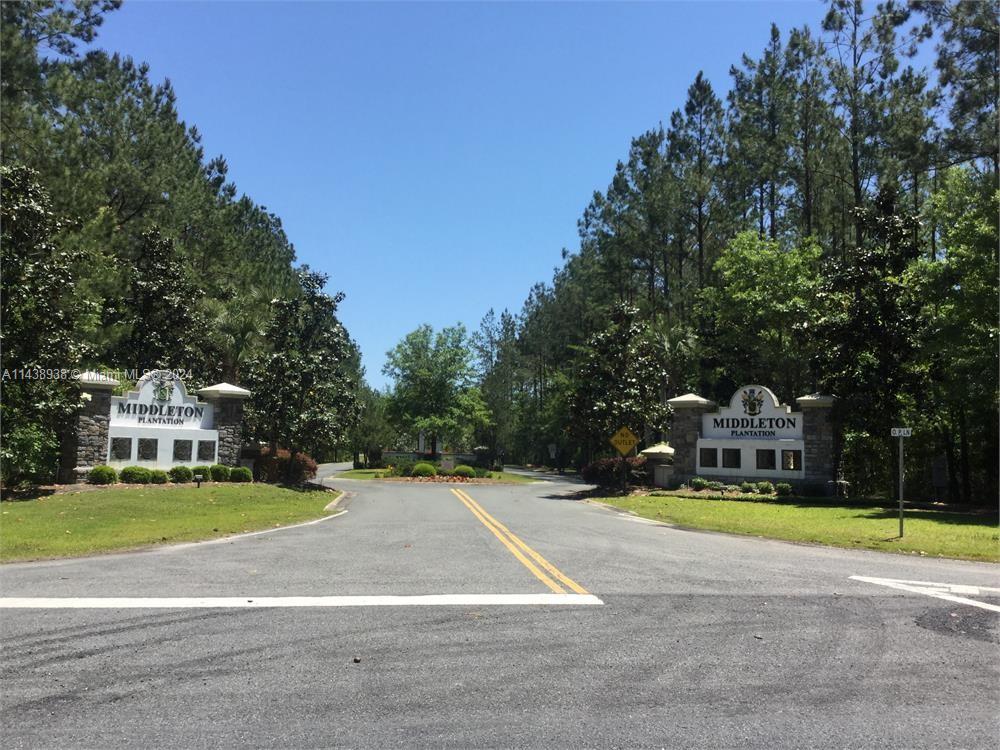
<point x="542" y="569"/>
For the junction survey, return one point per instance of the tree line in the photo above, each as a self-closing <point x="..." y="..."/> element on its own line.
<point x="830" y="225"/>
<point x="124" y="246"/>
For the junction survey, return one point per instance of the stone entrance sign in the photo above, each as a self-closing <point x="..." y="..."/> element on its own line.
<point x="157" y="425"/>
<point x="754" y="438"/>
<point x="160" y="425"/>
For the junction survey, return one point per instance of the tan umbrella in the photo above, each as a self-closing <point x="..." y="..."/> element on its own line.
<point x="660" y="449"/>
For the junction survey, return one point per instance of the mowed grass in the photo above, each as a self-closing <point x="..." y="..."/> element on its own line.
<point x="931" y="533"/>
<point x="92" y="521"/>
<point x="360" y="473"/>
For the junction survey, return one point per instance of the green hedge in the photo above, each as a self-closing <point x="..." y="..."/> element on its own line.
<point x="424" y="470"/>
<point x="181" y="474"/>
<point x="158" y="476"/>
<point x="135" y="475"/>
<point x="464" y="471"/>
<point x="205" y="471"/>
<point x="102" y="475"/>
<point x="219" y="473"/>
<point x="240" y="474"/>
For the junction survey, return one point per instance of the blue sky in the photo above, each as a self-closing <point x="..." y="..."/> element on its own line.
<point x="433" y="159"/>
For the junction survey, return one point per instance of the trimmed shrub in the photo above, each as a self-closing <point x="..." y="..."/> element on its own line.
<point x="219" y="472"/>
<point x="102" y="475"/>
<point x="240" y="474"/>
<point x="464" y="471"/>
<point x="402" y="468"/>
<point x="135" y="475"/>
<point x="423" y="470"/>
<point x="181" y="474"/>
<point x="733" y="488"/>
<point x="748" y="488"/>
<point x="698" y="484"/>
<point x="784" y="489"/>
<point x="482" y="473"/>
<point x="205" y="471"/>
<point x="717" y="486"/>
<point x="274" y="467"/>
<point x="158" y="476"/>
<point x="765" y="488"/>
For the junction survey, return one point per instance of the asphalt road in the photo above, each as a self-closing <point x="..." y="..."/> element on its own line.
<point x="702" y="640"/>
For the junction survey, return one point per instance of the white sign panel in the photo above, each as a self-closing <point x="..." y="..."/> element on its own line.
<point x="753" y="414"/>
<point x="902" y="432"/>
<point x="161" y="401"/>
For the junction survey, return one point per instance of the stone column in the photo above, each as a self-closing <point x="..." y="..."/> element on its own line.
<point x="227" y="401"/>
<point x="85" y="443"/>
<point x="685" y="432"/>
<point x="229" y="423"/>
<point x="819" y="437"/>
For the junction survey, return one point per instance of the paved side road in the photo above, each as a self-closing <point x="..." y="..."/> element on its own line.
<point x="702" y="640"/>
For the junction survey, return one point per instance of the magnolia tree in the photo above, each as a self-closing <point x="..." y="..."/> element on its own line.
<point x="304" y="390"/>
<point x="621" y="383"/>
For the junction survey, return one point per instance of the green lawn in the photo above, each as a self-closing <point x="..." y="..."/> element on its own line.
<point x="500" y="476"/>
<point x="506" y="476"/>
<point x="359" y="473"/>
<point x="86" y="522"/>
<point x="932" y="533"/>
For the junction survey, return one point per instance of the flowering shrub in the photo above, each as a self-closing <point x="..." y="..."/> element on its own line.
<point x="607" y="472"/>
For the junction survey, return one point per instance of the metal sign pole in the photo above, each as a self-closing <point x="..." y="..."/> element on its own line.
<point x="900" y="486"/>
<point x="901" y="433"/>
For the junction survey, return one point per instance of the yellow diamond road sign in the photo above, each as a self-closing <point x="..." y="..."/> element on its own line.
<point x="624" y="440"/>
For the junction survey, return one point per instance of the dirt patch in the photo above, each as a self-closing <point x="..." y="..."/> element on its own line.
<point x="958" y="620"/>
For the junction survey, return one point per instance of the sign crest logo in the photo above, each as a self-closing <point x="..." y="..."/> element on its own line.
<point x="752" y="401"/>
<point x="163" y="385"/>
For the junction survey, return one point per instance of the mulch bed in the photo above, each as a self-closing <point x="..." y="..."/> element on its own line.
<point x="445" y="480"/>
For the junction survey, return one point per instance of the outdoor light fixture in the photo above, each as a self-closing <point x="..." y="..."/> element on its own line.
<point x="197" y="478"/>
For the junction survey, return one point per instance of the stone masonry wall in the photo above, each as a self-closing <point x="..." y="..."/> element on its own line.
<point x="84" y="442"/>
<point x="92" y="429"/>
<point x="229" y="423"/>
<point x="684" y="436"/>
<point x="818" y="433"/>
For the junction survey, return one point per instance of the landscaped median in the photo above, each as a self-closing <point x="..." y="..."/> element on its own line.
<point x="124" y="517"/>
<point x="927" y="532"/>
<point x="492" y="477"/>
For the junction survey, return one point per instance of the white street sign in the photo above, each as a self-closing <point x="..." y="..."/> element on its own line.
<point x="902" y="432"/>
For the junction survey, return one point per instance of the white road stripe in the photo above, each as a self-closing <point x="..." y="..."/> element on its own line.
<point x="428" y="600"/>
<point x="944" y="591"/>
